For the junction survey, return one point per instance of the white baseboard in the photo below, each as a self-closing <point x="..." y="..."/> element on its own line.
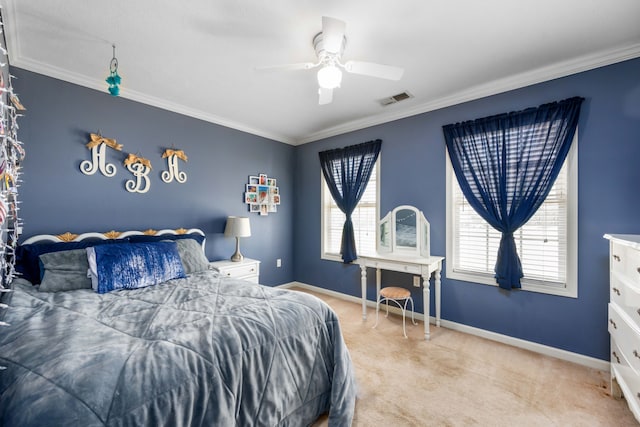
<point x="546" y="350"/>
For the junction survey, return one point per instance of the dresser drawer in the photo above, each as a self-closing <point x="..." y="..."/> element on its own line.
<point x="626" y="296"/>
<point x="247" y="269"/>
<point x="241" y="270"/>
<point x="407" y="268"/>
<point x="624" y="317"/>
<point x="617" y="358"/>
<point x="626" y="378"/>
<point x="626" y="336"/>
<point x="625" y="261"/>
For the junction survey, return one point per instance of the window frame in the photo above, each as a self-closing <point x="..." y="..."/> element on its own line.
<point x="326" y="199"/>
<point x="570" y="288"/>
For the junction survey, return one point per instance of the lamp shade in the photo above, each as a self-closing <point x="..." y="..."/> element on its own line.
<point x="237" y="226"/>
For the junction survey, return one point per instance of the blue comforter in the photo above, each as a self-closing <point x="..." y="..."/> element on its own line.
<point x="204" y="350"/>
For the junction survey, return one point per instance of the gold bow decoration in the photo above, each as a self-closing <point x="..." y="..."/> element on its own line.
<point x="97" y="139"/>
<point x="171" y="152"/>
<point x="133" y="158"/>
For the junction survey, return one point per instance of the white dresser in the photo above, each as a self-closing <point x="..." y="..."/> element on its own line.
<point x="624" y="317"/>
<point x="247" y="269"/>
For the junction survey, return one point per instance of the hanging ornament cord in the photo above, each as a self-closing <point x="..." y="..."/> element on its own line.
<point x="114" y="79"/>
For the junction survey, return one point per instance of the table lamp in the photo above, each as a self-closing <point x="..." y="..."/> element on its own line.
<point x="237" y="226"/>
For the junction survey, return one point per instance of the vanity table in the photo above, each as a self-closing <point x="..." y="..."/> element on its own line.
<point x="419" y="266"/>
<point x="404" y="245"/>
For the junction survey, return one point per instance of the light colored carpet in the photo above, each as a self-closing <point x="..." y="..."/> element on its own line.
<point x="456" y="379"/>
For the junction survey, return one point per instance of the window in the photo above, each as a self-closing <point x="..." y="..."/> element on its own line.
<point x="547" y="244"/>
<point x="365" y="219"/>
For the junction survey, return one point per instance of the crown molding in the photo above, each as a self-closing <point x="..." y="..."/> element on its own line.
<point x="539" y="75"/>
<point x="563" y="69"/>
<point x="17" y="60"/>
<point x="99" y="85"/>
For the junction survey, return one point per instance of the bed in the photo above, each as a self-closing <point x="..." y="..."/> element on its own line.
<point x="196" y="349"/>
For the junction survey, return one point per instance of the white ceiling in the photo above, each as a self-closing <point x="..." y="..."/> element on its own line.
<point x="198" y="57"/>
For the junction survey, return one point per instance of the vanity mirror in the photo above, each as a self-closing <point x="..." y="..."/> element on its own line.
<point x="404" y="231"/>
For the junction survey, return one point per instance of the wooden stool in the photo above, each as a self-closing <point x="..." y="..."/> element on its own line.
<point x="396" y="295"/>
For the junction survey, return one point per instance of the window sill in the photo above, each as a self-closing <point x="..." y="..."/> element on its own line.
<point x="331" y="257"/>
<point x="527" y="286"/>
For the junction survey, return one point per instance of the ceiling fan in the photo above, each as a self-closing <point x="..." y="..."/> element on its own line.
<point x="329" y="45"/>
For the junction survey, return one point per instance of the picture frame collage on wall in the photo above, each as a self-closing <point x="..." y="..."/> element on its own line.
<point x="262" y="194"/>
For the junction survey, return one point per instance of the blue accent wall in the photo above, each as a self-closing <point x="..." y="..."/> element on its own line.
<point x="56" y="197"/>
<point x="413" y="172"/>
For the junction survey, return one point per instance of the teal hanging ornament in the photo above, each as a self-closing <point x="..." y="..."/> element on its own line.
<point x="114" y="78"/>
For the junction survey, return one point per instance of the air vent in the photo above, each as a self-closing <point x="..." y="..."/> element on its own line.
<point x="395" y="98"/>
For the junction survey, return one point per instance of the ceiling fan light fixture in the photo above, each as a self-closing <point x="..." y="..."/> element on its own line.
<point x="329" y="77"/>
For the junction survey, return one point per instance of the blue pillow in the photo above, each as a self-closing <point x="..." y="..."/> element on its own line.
<point x="133" y="265"/>
<point x="27" y="256"/>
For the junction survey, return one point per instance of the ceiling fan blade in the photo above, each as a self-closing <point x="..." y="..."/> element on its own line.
<point x="332" y="34"/>
<point x="325" y="96"/>
<point x="374" y="70"/>
<point x="298" y="66"/>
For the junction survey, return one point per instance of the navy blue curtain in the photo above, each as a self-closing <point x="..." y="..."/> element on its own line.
<point x="506" y="166"/>
<point x="347" y="171"/>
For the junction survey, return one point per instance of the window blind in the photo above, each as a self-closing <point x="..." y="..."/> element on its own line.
<point x="364" y="219"/>
<point x="541" y="242"/>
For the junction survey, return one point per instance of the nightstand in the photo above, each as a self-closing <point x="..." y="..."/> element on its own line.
<point x="247" y="269"/>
